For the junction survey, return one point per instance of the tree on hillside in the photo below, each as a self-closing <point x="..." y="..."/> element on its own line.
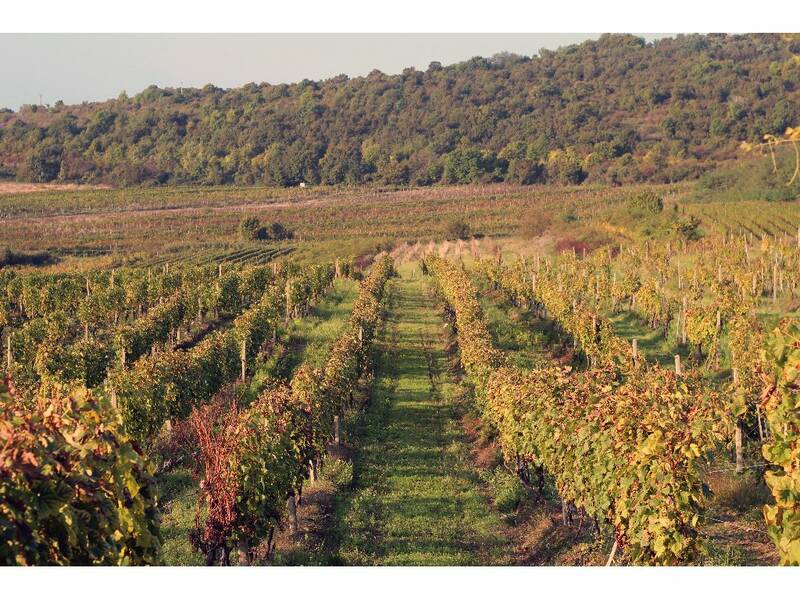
<point x="472" y="165"/>
<point x="44" y="165"/>
<point x="341" y="164"/>
<point x="613" y="110"/>
<point x="525" y="171"/>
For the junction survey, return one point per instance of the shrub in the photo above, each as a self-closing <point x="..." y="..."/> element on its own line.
<point x="458" y="229"/>
<point x="9" y="257"/>
<point x="250" y="229"/>
<point x="645" y="204"/>
<point x="688" y="227"/>
<point x="279" y="232"/>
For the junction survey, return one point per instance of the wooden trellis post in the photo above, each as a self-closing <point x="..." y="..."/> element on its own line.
<point x="288" y="300"/>
<point x="774" y="283"/>
<point x="291" y="506"/>
<point x="244" y="552"/>
<point x="244" y="359"/>
<point x="9" y="357"/>
<point x="336" y="430"/>
<point x="684" y="320"/>
<point x="678" y="369"/>
<point x="737" y="434"/>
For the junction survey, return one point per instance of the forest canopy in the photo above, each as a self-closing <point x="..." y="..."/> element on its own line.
<point x="615" y="110"/>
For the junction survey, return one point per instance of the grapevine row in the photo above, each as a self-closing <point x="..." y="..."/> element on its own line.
<point x="167" y="386"/>
<point x="625" y="449"/>
<point x="781" y="401"/>
<point x="41" y="351"/>
<point x="255" y="459"/>
<point x="571" y="292"/>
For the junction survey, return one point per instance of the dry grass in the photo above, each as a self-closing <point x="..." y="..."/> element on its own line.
<point x="13" y="187"/>
<point x="738" y="492"/>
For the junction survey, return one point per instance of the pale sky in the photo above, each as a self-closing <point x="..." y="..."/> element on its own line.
<point x="78" y="67"/>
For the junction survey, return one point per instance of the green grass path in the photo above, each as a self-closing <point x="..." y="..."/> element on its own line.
<point x="416" y="500"/>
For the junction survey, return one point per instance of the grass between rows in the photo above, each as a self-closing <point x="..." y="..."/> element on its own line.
<point x="415" y="499"/>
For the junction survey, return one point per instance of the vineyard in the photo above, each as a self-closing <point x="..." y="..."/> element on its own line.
<point x="559" y="383"/>
<point x="175" y="347"/>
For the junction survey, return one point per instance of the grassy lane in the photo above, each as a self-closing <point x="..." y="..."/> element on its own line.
<point x="523" y="338"/>
<point x="312" y="336"/>
<point x="415" y="498"/>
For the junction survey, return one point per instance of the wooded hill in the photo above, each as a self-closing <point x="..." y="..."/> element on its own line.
<point x="615" y="110"/>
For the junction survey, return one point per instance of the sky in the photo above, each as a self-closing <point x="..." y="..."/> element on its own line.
<point x="90" y="67"/>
